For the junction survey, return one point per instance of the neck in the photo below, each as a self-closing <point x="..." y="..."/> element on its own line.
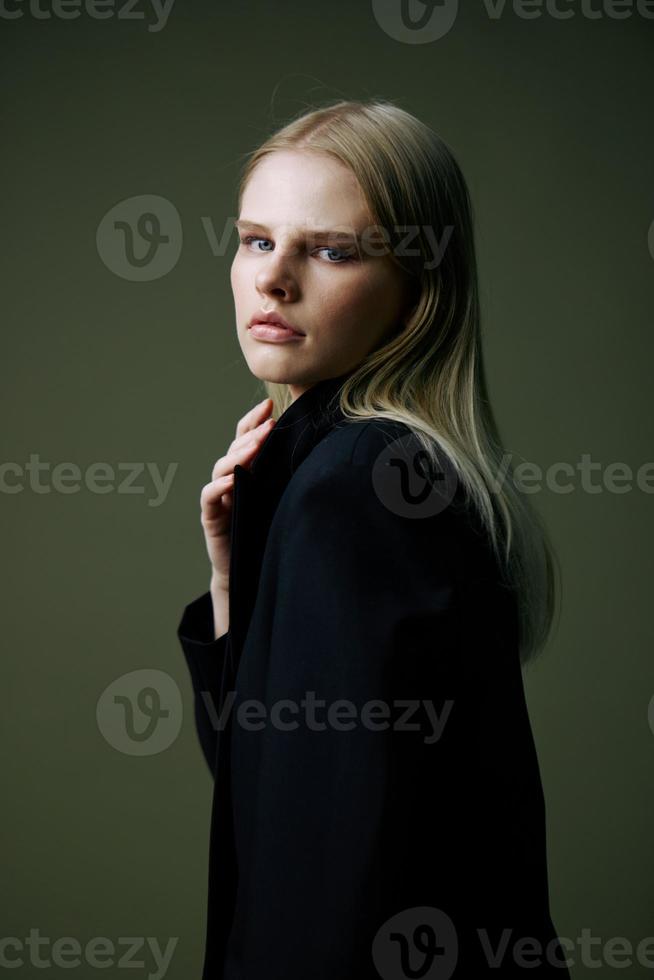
<point x="297" y="390"/>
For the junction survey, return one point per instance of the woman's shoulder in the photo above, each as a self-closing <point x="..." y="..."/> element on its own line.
<point x="380" y="464"/>
<point x="357" y="443"/>
<point x="350" y="453"/>
<point x="378" y="471"/>
<point x="365" y="489"/>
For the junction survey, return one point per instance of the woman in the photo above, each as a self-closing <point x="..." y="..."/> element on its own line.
<point x="356" y="661"/>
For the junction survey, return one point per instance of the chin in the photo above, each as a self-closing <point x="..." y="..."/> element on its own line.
<point x="276" y="369"/>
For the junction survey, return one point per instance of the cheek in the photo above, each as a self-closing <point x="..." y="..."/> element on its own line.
<point x="351" y="289"/>
<point x="345" y="321"/>
<point x="237" y="282"/>
<point x="356" y="301"/>
<point x="367" y="308"/>
<point x="233" y="272"/>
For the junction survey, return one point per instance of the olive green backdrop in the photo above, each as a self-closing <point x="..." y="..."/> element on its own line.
<point x="550" y="120"/>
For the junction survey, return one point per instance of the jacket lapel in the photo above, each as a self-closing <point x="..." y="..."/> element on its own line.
<point x="258" y="490"/>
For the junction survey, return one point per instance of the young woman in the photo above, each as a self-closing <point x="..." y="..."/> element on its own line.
<point x="376" y="587"/>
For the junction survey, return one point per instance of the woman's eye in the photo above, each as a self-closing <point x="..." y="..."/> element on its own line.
<point x="345" y="256"/>
<point x="251" y="238"/>
<point x="341" y="255"/>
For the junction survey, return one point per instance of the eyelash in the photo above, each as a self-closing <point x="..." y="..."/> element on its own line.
<point x="246" y="239"/>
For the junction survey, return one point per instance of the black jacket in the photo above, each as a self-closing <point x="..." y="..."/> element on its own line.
<point x="351" y="840"/>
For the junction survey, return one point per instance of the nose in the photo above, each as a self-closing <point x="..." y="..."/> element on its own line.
<point x="275" y="277"/>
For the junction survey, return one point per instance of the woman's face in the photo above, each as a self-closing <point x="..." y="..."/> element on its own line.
<point x="345" y="302"/>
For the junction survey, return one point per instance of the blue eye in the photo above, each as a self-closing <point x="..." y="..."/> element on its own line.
<point x="252" y="238"/>
<point x="344" y="256"/>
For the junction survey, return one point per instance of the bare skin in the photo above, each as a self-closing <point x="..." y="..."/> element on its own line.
<point x="216" y="501"/>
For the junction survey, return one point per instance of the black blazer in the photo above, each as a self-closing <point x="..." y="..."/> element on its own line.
<point x="352" y="840"/>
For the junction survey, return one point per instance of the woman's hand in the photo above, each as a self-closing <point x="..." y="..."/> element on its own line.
<point x="216" y="497"/>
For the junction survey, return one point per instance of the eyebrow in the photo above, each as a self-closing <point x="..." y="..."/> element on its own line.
<point x="311" y="233"/>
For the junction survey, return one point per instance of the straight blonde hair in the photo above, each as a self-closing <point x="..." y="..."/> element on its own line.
<point x="430" y="375"/>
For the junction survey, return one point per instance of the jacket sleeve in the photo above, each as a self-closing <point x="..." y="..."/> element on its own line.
<point x="365" y="621"/>
<point x="205" y="657"/>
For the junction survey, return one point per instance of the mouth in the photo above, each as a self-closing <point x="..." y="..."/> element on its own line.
<point x="273" y="331"/>
<point x="274" y="320"/>
<point x="272" y="326"/>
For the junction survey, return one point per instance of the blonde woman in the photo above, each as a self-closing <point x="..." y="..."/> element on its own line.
<point x="376" y="586"/>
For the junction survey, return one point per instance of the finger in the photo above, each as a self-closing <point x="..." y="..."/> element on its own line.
<point x="242" y="454"/>
<point x="258" y="432"/>
<point x="212" y="492"/>
<point x="254" y="416"/>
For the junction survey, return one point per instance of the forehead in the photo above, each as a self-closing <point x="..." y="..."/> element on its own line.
<point x="306" y="190"/>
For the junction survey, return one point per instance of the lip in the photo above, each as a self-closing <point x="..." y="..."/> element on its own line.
<point x="272" y="320"/>
<point x="273" y="333"/>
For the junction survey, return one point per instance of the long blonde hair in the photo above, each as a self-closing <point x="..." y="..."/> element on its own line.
<point x="430" y="375"/>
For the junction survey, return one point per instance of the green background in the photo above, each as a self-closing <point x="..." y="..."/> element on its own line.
<point x="551" y="122"/>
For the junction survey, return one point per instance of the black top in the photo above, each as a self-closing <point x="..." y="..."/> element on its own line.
<point x="378" y="808"/>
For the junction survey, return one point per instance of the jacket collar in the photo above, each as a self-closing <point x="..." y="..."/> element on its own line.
<point x="297" y="430"/>
<point x="259" y="488"/>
